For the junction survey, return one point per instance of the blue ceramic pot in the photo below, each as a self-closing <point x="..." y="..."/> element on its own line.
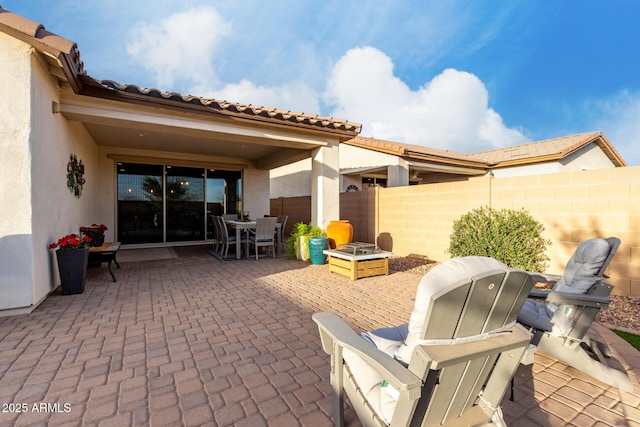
<point x="316" y="246"/>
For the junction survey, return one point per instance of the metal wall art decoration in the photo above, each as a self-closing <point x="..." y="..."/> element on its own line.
<point x="75" y="173"/>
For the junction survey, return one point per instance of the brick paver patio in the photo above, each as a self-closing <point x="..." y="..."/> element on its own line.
<point x="196" y="342"/>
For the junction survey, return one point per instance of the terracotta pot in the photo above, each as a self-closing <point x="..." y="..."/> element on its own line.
<point x="339" y="232"/>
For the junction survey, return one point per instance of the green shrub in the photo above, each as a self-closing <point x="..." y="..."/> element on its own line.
<point x="513" y="237"/>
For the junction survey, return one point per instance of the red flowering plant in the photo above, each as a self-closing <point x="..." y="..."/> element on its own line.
<point x="100" y="226"/>
<point x="71" y="242"/>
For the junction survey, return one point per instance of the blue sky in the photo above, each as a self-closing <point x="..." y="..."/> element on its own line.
<point x="465" y="76"/>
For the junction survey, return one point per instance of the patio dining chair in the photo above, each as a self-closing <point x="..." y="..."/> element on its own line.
<point x="216" y="233"/>
<point x="264" y="235"/>
<point x="226" y="238"/>
<point x="450" y="365"/>
<point x="282" y="219"/>
<point x="560" y="322"/>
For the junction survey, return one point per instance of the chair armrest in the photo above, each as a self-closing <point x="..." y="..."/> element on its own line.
<point x="543" y="277"/>
<point x="334" y="330"/>
<point x="441" y="356"/>
<point x="579" y="299"/>
<point x="539" y="293"/>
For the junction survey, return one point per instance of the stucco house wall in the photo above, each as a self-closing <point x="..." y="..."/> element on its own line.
<point x="294" y="180"/>
<point x="37" y="207"/>
<point x="291" y="180"/>
<point x="16" y="247"/>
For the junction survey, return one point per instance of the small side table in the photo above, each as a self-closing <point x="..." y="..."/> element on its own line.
<point x="105" y="253"/>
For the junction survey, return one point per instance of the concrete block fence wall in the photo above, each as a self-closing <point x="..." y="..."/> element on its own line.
<point x="573" y="206"/>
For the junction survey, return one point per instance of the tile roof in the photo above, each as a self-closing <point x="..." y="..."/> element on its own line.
<point x="230" y="108"/>
<point x="64" y="54"/>
<point x="59" y="51"/>
<point x="533" y="152"/>
<point x="548" y="149"/>
<point x="417" y="152"/>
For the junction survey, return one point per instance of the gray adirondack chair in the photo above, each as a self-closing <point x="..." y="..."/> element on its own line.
<point x="450" y="365"/>
<point x="560" y="322"/>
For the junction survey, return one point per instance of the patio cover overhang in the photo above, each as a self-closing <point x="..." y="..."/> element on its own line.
<point x="124" y="116"/>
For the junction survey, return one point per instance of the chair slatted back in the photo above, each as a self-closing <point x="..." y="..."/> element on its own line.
<point x="224" y="232"/>
<point x="614" y="243"/>
<point x="265" y="228"/>
<point x="485" y="303"/>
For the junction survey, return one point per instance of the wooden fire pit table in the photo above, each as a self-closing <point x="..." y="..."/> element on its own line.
<point x="358" y="260"/>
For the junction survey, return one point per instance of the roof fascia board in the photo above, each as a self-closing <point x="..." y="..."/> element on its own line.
<point x="609" y="150"/>
<point x="350" y="171"/>
<point x="412" y="155"/>
<point x="436" y="167"/>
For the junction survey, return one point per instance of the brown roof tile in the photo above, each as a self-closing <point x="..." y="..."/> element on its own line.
<point x="234" y="108"/>
<point x="555" y="148"/>
<point x="37" y="35"/>
<point x="533" y="152"/>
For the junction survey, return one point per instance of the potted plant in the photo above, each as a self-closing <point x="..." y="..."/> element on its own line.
<point x="95" y="232"/>
<point x="298" y="242"/>
<point x="293" y="242"/>
<point x="317" y="241"/>
<point x="72" y="254"/>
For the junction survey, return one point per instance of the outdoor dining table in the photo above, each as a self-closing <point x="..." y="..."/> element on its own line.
<point x="239" y="226"/>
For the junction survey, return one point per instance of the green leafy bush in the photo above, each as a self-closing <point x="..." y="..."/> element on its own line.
<point x="301" y="229"/>
<point x="513" y="237"/>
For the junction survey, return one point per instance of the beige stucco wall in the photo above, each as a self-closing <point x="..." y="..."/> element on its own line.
<point x="295" y="179"/>
<point x="255" y="198"/>
<point x="356" y="157"/>
<point x="37" y="207"/>
<point x="56" y="211"/>
<point x="291" y="180"/>
<point x="16" y="247"/>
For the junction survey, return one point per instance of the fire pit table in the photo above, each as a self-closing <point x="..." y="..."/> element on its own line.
<point x="357" y="260"/>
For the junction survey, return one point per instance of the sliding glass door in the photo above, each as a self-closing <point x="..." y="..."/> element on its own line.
<point x="167" y="203"/>
<point x="140" y="203"/>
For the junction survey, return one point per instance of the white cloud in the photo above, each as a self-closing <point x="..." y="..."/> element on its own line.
<point x="296" y="96"/>
<point x="449" y="112"/>
<point x="619" y="119"/>
<point x="179" y="47"/>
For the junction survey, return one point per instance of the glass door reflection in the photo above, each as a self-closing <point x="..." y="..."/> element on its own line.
<point x="185" y="203"/>
<point x="140" y="198"/>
